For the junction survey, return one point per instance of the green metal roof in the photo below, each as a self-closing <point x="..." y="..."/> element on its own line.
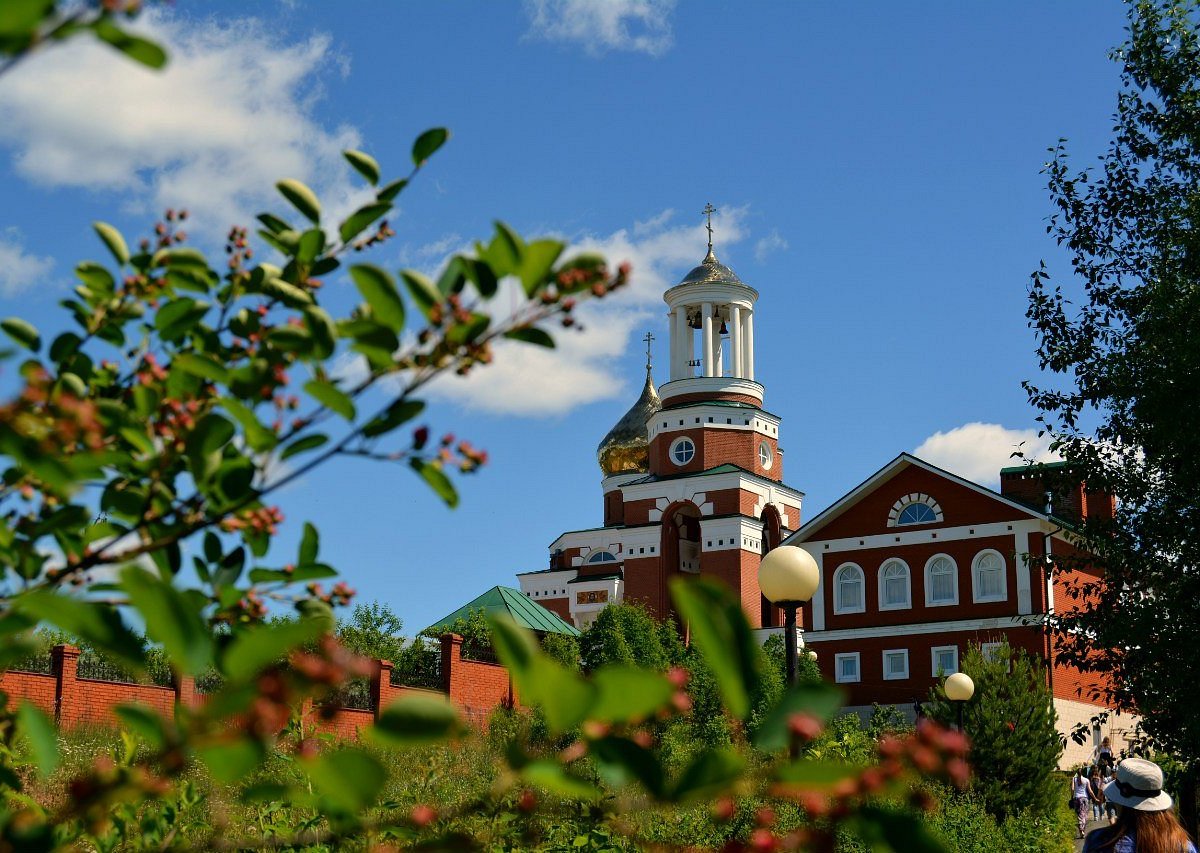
<point x="1034" y="468"/>
<point x="504" y="599"/>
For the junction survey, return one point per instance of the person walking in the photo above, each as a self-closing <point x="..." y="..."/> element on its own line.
<point x="1110" y="808"/>
<point x="1096" y="794"/>
<point x="1145" y="821"/>
<point x="1081" y="798"/>
<point x="1103" y="756"/>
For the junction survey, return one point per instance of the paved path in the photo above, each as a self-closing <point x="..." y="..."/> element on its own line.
<point x="1092" y="824"/>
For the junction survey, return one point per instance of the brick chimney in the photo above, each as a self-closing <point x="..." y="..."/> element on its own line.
<point x="1050" y="488"/>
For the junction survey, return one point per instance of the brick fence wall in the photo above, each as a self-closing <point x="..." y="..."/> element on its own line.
<point x="477" y="688"/>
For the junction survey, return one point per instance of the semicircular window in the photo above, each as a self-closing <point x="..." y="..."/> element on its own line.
<point x="916" y="513"/>
<point x="602" y="557"/>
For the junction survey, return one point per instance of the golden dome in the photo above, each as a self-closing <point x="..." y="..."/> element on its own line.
<point x="711" y="271"/>
<point x="626" y="448"/>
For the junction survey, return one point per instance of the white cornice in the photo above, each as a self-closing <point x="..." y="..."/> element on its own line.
<point x="998" y="623"/>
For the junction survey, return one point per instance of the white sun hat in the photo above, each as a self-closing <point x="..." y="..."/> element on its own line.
<point x="1138" y="785"/>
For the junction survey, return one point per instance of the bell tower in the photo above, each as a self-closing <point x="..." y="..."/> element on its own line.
<point x="692" y="473"/>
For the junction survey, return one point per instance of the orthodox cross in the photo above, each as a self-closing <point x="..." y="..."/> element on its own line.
<point x="649" y="337"/>
<point x="708" y="211"/>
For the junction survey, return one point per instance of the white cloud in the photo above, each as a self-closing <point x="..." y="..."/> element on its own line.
<point x="19" y="270"/>
<point x="768" y="245"/>
<point x="535" y="382"/>
<point x="231" y="113"/>
<point x="639" y="26"/>
<point x="977" y="451"/>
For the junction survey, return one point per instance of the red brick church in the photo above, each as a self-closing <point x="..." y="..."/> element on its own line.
<point x="916" y="562"/>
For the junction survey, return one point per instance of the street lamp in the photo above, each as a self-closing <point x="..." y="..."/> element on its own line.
<point x="788" y="576"/>
<point x="959" y="688"/>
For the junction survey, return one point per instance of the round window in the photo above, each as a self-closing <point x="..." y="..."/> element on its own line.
<point x="682" y="451"/>
<point x="765" y="457"/>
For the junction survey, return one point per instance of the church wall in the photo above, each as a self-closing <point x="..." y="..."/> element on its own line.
<point x="723" y="447"/>
<point x="643" y="584"/>
<point x="739" y="570"/>
<point x="961" y="551"/>
<point x="873" y="687"/>
<point x="960" y="505"/>
<point x="614" y="508"/>
<point x="638" y="512"/>
<point x="561" y="606"/>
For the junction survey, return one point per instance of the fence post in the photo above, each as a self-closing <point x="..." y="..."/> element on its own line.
<point x="64" y="665"/>
<point x="185" y="690"/>
<point x="451" y="658"/>
<point x="381" y="686"/>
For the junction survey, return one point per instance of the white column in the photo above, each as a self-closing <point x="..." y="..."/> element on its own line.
<point x="750" y="345"/>
<point x="718" y="352"/>
<point x="706" y="322"/>
<point x="674" y="348"/>
<point x="735" y="340"/>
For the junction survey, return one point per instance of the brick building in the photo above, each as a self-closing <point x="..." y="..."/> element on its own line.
<point x="692" y="474"/>
<point x="917" y="563"/>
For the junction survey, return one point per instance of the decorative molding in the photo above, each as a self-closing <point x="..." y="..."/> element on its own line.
<point x="915" y="498"/>
<point x="998" y="623"/>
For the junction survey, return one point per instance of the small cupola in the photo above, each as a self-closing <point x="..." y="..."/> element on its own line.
<point x="626" y="448"/>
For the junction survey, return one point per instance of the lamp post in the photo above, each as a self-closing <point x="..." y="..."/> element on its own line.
<point x="959" y="688"/>
<point x="788" y="576"/>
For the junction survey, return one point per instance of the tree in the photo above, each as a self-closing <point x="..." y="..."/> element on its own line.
<point x="1010" y="720"/>
<point x="373" y="631"/>
<point x="1121" y="334"/>
<point x="623" y="633"/>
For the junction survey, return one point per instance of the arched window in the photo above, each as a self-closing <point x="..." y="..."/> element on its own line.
<point x="602" y="557"/>
<point x="916" y="514"/>
<point x="765" y="457"/>
<point x="988" y="578"/>
<point x="941" y="581"/>
<point x="895" y="586"/>
<point x="848" y="595"/>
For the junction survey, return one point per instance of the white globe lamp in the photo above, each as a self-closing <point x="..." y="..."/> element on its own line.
<point x="788" y="576"/>
<point x="959" y="688"/>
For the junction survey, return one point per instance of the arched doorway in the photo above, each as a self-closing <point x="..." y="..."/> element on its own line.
<point x="772" y="534"/>
<point x="680" y="547"/>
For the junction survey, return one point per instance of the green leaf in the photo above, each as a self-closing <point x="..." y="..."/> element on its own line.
<point x="311" y="244"/>
<point x="310" y="544"/>
<point x="417" y="719"/>
<point x="201" y="365"/>
<point x="308" y="442"/>
<point x="232" y="760"/>
<point x="537" y="260"/>
<point x="255" y="648"/>
<point x="820" y="700"/>
<point x="24" y="333"/>
<point x="172" y="619"/>
<point x="427" y="143"/>
<point x="300" y="574"/>
<point x="349" y="779"/>
<point x="178" y="317"/>
<point x="720" y="631"/>
<point x="816" y="774"/>
<point x="92" y="622"/>
<point x="628" y="693"/>
<point x="710" y="773"/>
<point x="516" y="649"/>
<point x="287" y="338"/>
<point x="289" y="294"/>
<point x="399" y="412"/>
<point x="211" y="433"/>
<point x="144" y="723"/>
<point x="257" y="435"/>
<point x="301" y="197"/>
<point x="549" y="774"/>
<point x="532" y="335"/>
<point x="40" y="736"/>
<point x="379" y="289"/>
<point x="331" y="397"/>
<point x="563" y="696"/>
<point x="364" y="164"/>
<point x="901" y="831"/>
<point x="135" y="47"/>
<point x="360" y="219"/>
<point x="437" y="480"/>
<point x="424" y="292"/>
<point x="113" y="239"/>
<point x="620" y="760"/>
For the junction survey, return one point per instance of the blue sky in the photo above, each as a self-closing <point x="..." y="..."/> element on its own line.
<point x="876" y="172"/>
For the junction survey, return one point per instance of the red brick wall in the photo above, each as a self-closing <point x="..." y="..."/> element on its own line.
<point x="614" y="509"/>
<point x="962" y="551"/>
<point x="1068" y="682"/>
<point x="474" y="686"/>
<point x="561" y="606"/>
<point x="643" y="582"/>
<point x="34" y="687"/>
<point x="716" y="447"/>
<point x="960" y="505"/>
<point x="873" y="687"/>
<point x="739" y="571"/>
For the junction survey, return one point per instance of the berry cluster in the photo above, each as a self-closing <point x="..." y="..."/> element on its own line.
<point x="261" y="520"/>
<point x="57" y="422"/>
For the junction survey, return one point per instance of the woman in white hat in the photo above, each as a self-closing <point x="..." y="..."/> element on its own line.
<point x="1145" y="821"/>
